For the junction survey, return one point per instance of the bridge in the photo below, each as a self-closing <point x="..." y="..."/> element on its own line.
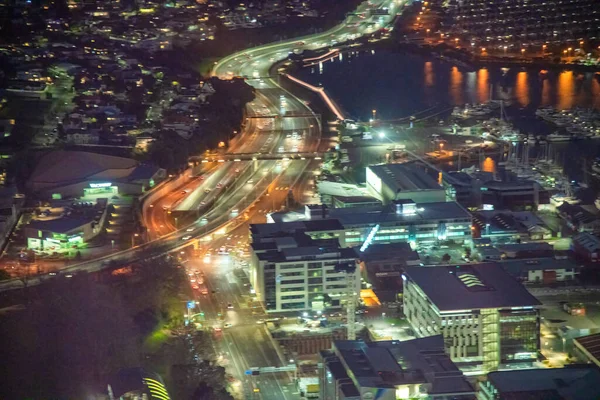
<point x="256" y="156"/>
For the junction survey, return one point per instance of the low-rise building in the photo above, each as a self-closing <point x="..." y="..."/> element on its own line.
<point x="62" y="174"/>
<point x="542" y="270"/>
<point x="64" y="226"/>
<point x="576" y="382"/>
<point x="382" y="266"/>
<point x="401" y="221"/>
<point x="293" y="272"/>
<point x="586" y="246"/>
<point x="391" y="370"/>
<point x="578" y="218"/>
<point x="389" y="182"/>
<point x="488" y="319"/>
<point x="509" y="226"/>
<point x="483" y="190"/>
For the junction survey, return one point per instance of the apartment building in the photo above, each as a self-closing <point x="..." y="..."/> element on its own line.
<point x="488" y="319"/>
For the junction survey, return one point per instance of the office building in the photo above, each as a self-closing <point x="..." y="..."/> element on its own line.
<point x="390" y="182"/>
<point x="401" y="221"/>
<point x="487" y="318"/>
<point x="573" y="382"/>
<point x="391" y="370"/>
<point x="293" y="272"/>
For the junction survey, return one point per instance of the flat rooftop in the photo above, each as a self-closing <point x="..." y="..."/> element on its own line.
<point x="350" y="217"/>
<point x="571" y="382"/>
<point x="476" y="286"/>
<point x="404" y="178"/>
<point x="386" y="364"/>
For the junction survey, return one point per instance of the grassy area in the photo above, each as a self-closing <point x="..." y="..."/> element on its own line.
<point x="155" y="340"/>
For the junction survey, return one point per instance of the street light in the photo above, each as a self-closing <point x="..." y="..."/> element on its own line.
<point x="381" y="135"/>
<point x="133" y="239"/>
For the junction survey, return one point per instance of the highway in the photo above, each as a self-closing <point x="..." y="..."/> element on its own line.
<point x="258" y="136"/>
<point x="228" y="196"/>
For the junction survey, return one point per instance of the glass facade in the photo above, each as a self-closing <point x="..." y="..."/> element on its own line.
<point x="519" y="335"/>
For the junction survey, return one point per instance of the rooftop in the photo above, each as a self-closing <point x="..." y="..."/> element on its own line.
<point x="349" y="217"/>
<point x="387" y="364"/>
<point x="400" y="250"/>
<point x="402" y="178"/>
<point x="591" y="345"/>
<point x="476" y="286"/>
<point x="571" y="382"/>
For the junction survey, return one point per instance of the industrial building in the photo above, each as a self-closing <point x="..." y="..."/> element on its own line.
<point x="293" y="272"/>
<point x="400" y="221"/>
<point x="391" y="370"/>
<point x="389" y="182"/>
<point x="488" y="319"/>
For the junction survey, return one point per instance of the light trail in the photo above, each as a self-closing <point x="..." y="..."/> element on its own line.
<point x="322" y="93"/>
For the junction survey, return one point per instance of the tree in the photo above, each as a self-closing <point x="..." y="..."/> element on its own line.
<point x="446" y="258"/>
<point x="4" y="275"/>
<point x="468" y="252"/>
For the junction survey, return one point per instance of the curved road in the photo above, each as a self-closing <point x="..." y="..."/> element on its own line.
<point x="254" y="64"/>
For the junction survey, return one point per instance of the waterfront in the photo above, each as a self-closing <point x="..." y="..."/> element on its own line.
<point x="407" y="83"/>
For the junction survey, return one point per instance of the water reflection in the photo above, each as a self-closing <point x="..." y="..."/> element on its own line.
<point x="546" y="96"/>
<point x="522" y="89"/>
<point x="566" y="90"/>
<point x="405" y="84"/>
<point x="483" y="85"/>
<point x="456" y="86"/>
<point x="428" y="74"/>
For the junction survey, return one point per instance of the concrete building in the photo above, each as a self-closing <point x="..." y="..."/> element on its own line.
<point x="488" y="319"/>
<point x="390" y="182"/>
<point x="573" y="382"/>
<point x="293" y="272"/>
<point x="391" y="370"/>
<point x="402" y="221"/>
<point x="66" y="174"/>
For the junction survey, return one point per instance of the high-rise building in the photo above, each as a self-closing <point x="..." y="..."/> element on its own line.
<point x="293" y="272"/>
<point x="391" y="370"/>
<point x="488" y="319"/>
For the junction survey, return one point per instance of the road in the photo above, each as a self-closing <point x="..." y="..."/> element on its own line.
<point x="252" y="62"/>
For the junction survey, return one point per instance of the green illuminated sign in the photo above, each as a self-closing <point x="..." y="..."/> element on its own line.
<point x="100" y="185"/>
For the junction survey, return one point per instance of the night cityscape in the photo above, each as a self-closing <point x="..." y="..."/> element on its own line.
<point x="300" y="199"/>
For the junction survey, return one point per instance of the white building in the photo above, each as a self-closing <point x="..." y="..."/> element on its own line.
<point x="390" y="182"/>
<point x="297" y="273"/>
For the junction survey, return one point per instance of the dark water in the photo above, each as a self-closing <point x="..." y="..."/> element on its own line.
<point x="398" y="85"/>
